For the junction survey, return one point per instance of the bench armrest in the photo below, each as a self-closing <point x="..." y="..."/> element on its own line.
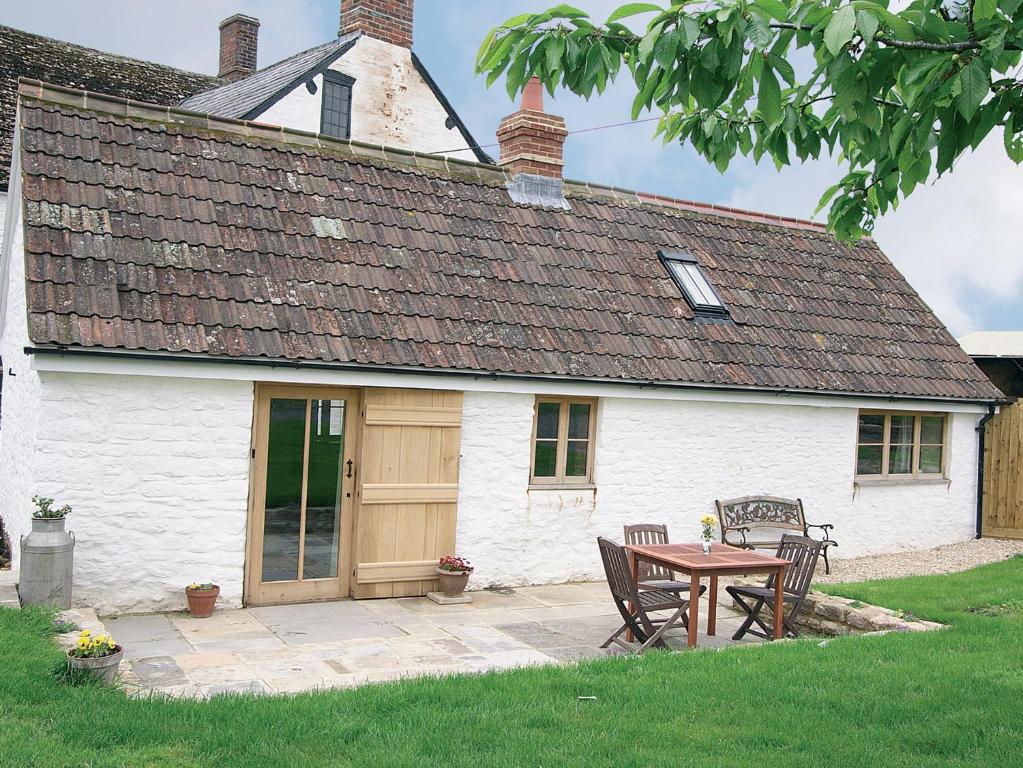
<point x="826" y="527"/>
<point x="741" y="530"/>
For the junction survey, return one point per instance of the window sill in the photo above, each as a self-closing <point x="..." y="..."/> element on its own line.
<point x="871" y="481"/>
<point x="561" y="487"/>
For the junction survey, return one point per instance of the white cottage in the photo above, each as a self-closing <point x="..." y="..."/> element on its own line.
<point x="306" y="367"/>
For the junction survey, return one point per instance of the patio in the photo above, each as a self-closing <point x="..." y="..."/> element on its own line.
<point x="292" y="648"/>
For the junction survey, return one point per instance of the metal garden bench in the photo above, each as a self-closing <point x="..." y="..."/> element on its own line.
<point x="767" y="518"/>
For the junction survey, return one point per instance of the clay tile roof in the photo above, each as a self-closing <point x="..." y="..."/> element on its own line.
<point x="26" y="55"/>
<point x="157" y="231"/>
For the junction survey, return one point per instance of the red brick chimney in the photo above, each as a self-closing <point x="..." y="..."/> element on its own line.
<point x="532" y="141"/>
<point x="387" y="20"/>
<point x="239" y="36"/>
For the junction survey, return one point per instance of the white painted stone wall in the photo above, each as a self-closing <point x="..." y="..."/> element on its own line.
<point x="3" y="213"/>
<point x="156" y="470"/>
<point x="666" y="461"/>
<point x="20" y="405"/>
<point x="391" y="103"/>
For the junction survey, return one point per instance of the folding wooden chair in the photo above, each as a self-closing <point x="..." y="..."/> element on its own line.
<point x="802" y="552"/>
<point x="647" y="630"/>
<point x="651" y="575"/>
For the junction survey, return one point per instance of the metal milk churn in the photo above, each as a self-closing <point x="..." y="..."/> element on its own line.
<point x="47" y="556"/>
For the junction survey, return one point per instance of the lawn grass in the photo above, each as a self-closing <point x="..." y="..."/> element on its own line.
<point x="948" y="698"/>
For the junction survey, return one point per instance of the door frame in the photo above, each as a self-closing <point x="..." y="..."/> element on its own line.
<point x="300" y="591"/>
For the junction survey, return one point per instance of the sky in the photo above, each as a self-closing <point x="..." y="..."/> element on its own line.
<point x="957" y="240"/>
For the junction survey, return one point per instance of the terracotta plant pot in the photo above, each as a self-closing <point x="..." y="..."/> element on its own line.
<point x="103" y="668"/>
<point x="201" y="601"/>
<point x="452" y="583"/>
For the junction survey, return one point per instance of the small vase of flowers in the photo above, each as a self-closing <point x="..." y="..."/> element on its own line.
<point x="98" y="655"/>
<point x="709" y="523"/>
<point x="201" y="598"/>
<point x="453" y="573"/>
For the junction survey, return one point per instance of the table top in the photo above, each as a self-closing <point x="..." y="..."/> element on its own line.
<point x="691" y="558"/>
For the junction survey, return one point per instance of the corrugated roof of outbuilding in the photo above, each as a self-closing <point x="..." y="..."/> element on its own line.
<point x="163" y="231"/>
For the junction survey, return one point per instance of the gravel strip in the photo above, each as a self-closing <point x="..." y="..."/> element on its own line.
<point x="921" y="562"/>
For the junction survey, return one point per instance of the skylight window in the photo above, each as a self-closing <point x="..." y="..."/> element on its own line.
<point x="693" y="283"/>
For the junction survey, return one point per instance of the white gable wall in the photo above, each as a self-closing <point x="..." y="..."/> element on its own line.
<point x="391" y="103"/>
<point x="22" y="392"/>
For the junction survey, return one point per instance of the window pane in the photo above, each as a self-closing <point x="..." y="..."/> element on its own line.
<point x="930" y="459"/>
<point x="871" y="428"/>
<point x="900" y="460"/>
<point x="578" y="421"/>
<point x="901" y="432"/>
<point x="932" y="430"/>
<point x="868" y="460"/>
<point x="546" y="458"/>
<point x="575" y="464"/>
<point x="706" y="292"/>
<point x="337" y="100"/>
<point x="547" y="420"/>
<point x="283" y="511"/>
<point x="323" y="493"/>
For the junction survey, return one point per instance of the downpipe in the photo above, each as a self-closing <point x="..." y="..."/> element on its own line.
<point x="981" y="432"/>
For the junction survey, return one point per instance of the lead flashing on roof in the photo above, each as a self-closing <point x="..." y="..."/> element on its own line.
<point x="542" y="191"/>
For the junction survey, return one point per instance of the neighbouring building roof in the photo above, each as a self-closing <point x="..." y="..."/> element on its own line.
<point x="993" y="343"/>
<point x="164" y="232"/>
<point x="32" y="56"/>
<point x="249" y="97"/>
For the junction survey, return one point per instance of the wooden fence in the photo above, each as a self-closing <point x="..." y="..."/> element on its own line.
<point x="1003" y="473"/>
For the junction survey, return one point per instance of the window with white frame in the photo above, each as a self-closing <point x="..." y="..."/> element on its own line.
<point x="691" y="280"/>
<point x="894" y="445"/>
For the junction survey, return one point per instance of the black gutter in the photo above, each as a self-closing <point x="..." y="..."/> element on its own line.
<point x="981" y="433"/>
<point x="495" y="375"/>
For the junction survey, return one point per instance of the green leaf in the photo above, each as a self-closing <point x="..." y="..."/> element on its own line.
<point x="840" y="29"/>
<point x="867" y="24"/>
<point x="974" y="85"/>
<point x="688" y="32"/>
<point x="553" y="50"/>
<point x="759" y="33"/>
<point x="646" y="45"/>
<point x="775" y="8"/>
<point x="566" y="11"/>
<point x="984" y="9"/>
<point x="665" y="48"/>
<point x="769" y="97"/>
<point x="633" y="9"/>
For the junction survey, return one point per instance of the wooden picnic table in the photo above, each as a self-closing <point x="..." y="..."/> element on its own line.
<point x="723" y="560"/>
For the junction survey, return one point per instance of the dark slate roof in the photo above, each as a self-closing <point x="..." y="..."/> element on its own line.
<point x="26" y="55"/>
<point x="247" y="97"/>
<point x="163" y="232"/>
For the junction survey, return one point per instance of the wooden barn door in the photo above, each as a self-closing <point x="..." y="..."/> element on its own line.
<point x="408" y="490"/>
<point x="1003" y="473"/>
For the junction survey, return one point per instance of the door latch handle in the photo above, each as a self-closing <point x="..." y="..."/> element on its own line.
<point x="349" y="462"/>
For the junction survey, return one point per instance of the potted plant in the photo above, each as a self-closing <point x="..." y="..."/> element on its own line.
<point x="453" y="573"/>
<point x="709" y="523"/>
<point x="47" y="557"/>
<point x="201" y="598"/>
<point x="97" y="655"/>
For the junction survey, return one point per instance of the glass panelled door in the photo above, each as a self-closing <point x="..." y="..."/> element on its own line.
<point x="302" y="483"/>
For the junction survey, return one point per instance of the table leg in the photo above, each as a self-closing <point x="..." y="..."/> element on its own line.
<point x="712" y="608"/>
<point x="634" y="565"/>
<point x="694" y="610"/>
<point x="779" y="603"/>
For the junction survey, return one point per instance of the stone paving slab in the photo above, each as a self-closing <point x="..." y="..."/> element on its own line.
<point x="318" y="646"/>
